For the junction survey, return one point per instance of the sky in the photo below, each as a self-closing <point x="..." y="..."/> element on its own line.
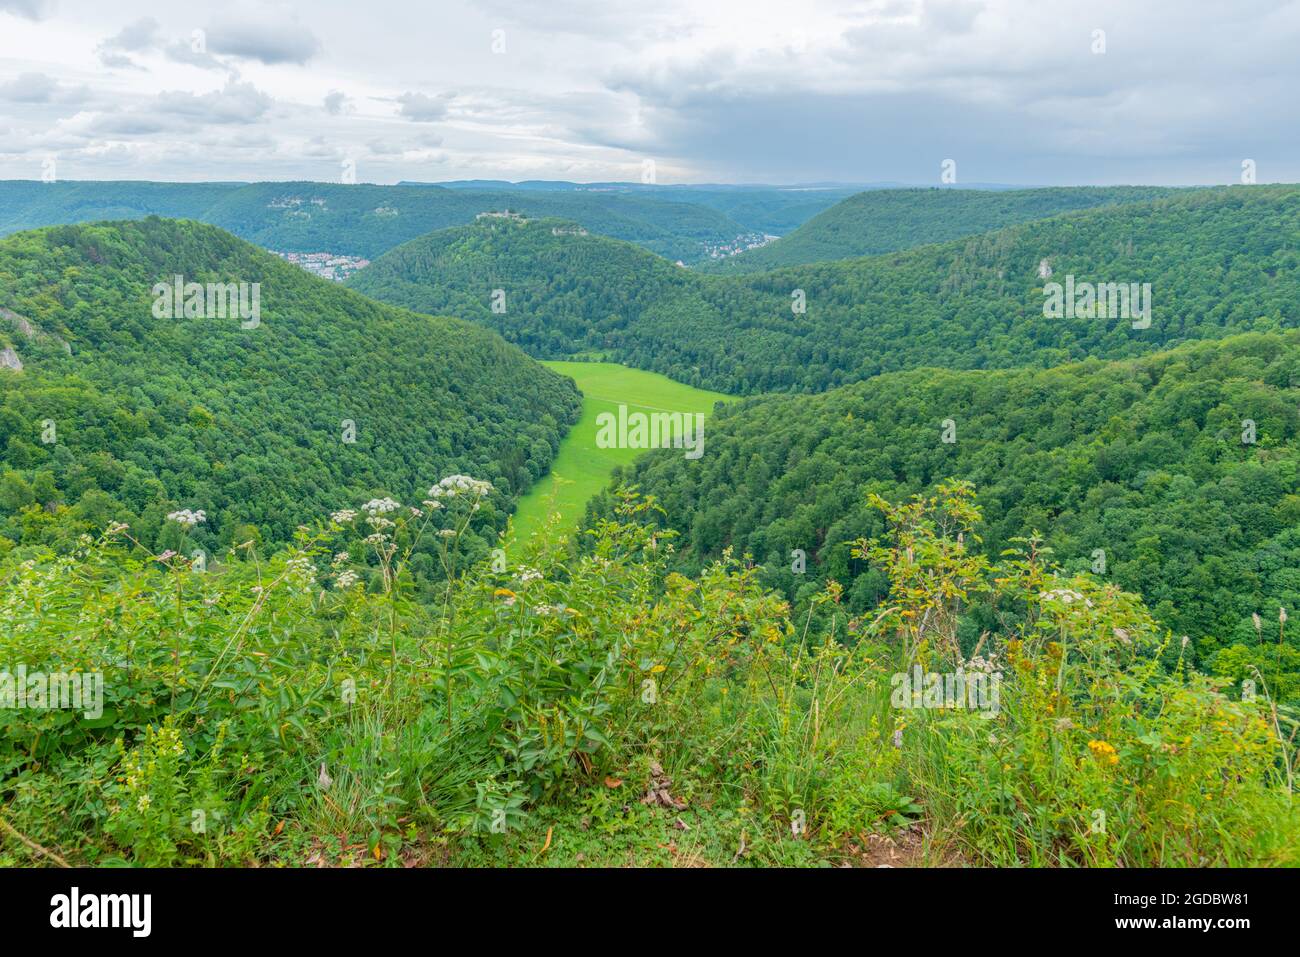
<point x="1029" y="92"/>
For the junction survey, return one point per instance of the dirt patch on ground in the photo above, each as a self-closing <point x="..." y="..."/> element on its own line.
<point x="906" y="847"/>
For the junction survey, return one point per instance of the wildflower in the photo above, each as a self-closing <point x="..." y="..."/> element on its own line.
<point x="378" y="506"/>
<point x="116" y="528"/>
<point x="301" y="571"/>
<point x="166" y="556"/>
<point x="187" y="518"/>
<point x="1104" y="751"/>
<point x="142" y="804"/>
<point x="448" y="533"/>
<point x="345" y="580"/>
<point x="1259" y="625"/>
<point x="454" y="485"/>
<point x="340" y="558"/>
<point x="1281" y="615"/>
<point x="527" y="575"/>
<point x="343" y="516"/>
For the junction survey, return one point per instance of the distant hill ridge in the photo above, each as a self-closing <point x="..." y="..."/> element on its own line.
<point x="1217" y="260"/>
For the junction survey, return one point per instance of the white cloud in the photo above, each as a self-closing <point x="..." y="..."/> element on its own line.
<point x="856" y="90"/>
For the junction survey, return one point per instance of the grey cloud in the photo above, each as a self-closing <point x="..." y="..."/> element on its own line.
<point x="336" y="101"/>
<point x="38" y="88"/>
<point x="128" y="124"/>
<point x="235" y="103"/>
<point x="31" y="9"/>
<point x="137" y="37"/>
<point x="183" y="51"/>
<point x="423" y="108"/>
<point x="268" y="35"/>
<point x="950" y="16"/>
<point x="29" y="88"/>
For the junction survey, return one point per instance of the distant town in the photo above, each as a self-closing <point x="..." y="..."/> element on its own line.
<point x="326" y="265"/>
<point x="740" y="244"/>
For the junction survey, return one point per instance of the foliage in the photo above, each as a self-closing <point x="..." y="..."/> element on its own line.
<point x="144" y="415"/>
<point x="1218" y="261"/>
<point x="253" y="714"/>
<point x="1136" y="470"/>
<point x="884" y="220"/>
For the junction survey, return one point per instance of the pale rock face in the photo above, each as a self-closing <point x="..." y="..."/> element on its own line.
<point x="9" y="359"/>
<point x="22" y="325"/>
<point x="19" y="322"/>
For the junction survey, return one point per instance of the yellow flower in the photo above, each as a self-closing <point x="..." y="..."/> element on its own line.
<point x="1103" y="751"/>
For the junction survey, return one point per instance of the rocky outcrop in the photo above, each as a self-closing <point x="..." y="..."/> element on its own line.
<point x="23" y="325"/>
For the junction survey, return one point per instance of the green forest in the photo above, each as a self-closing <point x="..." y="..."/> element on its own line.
<point x="120" y="416"/>
<point x="1175" y="476"/>
<point x="283" y="541"/>
<point x="886" y="220"/>
<point x="367" y="220"/>
<point x="1218" y="261"/>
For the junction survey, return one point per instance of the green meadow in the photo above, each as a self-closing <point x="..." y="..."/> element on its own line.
<point x="581" y="469"/>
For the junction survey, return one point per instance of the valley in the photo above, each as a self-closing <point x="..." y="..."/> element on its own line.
<point x="582" y="468"/>
<point x="389" y="573"/>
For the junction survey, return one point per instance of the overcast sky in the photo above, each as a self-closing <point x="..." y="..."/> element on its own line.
<point x="1014" y="91"/>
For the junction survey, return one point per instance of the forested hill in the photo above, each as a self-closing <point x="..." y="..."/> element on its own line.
<point x="1218" y="261"/>
<point x="366" y="220"/>
<point x="1175" y="475"/>
<point x="885" y="220"/>
<point x="562" y="289"/>
<point x="118" y="413"/>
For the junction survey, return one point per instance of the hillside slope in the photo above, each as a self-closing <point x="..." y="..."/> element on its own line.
<point x="121" y="413"/>
<point x="885" y="220"/>
<point x="1217" y="261"/>
<point x="1175" y="475"/>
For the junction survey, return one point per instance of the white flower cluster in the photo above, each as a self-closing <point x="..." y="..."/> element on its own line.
<point x="549" y="611"/>
<point x="187" y="518"/>
<point x="345" y="580"/>
<point x="301" y="571"/>
<point x="987" y="665"/>
<point x="343" y="516"/>
<point x="379" y="506"/>
<point x="527" y="574"/>
<point x="454" y="485"/>
<point x="1065" y="596"/>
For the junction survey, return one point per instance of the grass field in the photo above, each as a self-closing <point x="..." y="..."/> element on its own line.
<point x="581" y="469"/>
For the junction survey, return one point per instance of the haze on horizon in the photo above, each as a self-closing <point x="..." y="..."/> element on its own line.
<point x="872" y="91"/>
